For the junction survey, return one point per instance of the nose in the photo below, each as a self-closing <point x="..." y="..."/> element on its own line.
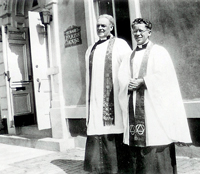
<point x="100" y="27"/>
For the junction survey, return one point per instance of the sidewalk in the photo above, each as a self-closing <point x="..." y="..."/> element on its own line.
<point x="23" y="160"/>
<point x="188" y="160"/>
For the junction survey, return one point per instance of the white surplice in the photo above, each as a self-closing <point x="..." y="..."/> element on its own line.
<point x="165" y="118"/>
<point x="95" y="121"/>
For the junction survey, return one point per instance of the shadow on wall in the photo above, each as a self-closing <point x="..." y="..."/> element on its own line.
<point x="3" y="126"/>
<point x="77" y="127"/>
<point x="194" y="124"/>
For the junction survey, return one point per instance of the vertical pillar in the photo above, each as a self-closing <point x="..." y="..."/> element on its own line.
<point x="60" y="128"/>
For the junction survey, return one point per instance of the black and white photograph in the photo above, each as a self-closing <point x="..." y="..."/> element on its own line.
<point x="99" y="86"/>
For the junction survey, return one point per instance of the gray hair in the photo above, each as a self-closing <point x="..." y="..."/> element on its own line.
<point x="109" y="17"/>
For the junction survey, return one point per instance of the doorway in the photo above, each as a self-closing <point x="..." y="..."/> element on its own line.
<point x="119" y="9"/>
<point x="19" y="77"/>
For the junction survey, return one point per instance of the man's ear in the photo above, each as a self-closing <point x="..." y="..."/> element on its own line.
<point x="111" y="28"/>
<point x="149" y="33"/>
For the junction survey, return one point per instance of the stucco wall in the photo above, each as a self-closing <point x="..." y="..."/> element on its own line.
<point x="176" y="27"/>
<point x="71" y="13"/>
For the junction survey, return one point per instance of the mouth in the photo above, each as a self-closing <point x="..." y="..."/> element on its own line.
<point x="138" y="38"/>
<point x="100" y="31"/>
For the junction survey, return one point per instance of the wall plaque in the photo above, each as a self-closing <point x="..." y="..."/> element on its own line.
<point x="72" y="36"/>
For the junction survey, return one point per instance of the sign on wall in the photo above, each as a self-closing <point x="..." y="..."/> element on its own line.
<point x="72" y="36"/>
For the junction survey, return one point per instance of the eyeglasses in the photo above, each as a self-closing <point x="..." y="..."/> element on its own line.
<point x="101" y="25"/>
<point x="140" y="31"/>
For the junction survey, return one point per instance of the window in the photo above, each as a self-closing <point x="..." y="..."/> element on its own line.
<point x="35" y="3"/>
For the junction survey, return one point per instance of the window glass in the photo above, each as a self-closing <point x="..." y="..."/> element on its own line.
<point x="123" y="20"/>
<point x="105" y="7"/>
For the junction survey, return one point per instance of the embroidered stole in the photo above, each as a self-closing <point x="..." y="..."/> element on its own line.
<point x="108" y="97"/>
<point x="137" y="129"/>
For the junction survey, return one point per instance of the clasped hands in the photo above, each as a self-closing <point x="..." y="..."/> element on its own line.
<point x="135" y="84"/>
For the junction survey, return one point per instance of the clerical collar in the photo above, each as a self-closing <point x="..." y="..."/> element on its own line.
<point x="99" y="42"/>
<point x="141" y="47"/>
<point x="103" y="40"/>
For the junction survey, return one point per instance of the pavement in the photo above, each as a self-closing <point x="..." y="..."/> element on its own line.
<point x="24" y="160"/>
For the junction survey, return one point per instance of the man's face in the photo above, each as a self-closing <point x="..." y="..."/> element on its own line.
<point x="104" y="28"/>
<point x="141" y="33"/>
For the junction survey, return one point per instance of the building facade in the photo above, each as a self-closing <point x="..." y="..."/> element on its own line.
<point x="42" y="65"/>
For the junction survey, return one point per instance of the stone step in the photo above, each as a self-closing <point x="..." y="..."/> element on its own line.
<point x="47" y="143"/>
<point x="188" y="151"/>
<point x="61" y="145"/>
<point x="33" y="131"/>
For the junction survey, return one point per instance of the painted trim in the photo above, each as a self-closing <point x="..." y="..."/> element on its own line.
<point x="134" y="12"/>
<point x="90" y="22"/>
<point x="10" y="115"/>
<point x="75" y="112"/>
<point x="55" y="27"/>
<point x="79" y="112"/>
<point x="137" y="9"/>
<point x="192" y="101"/>
<point x="192" y="109"/>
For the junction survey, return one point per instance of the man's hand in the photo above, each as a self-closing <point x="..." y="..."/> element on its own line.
<point x="135" y="84"/>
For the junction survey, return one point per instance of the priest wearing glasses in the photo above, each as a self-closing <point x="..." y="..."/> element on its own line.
<point x="154" y="117"/>
<point x="104" y="148"/>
